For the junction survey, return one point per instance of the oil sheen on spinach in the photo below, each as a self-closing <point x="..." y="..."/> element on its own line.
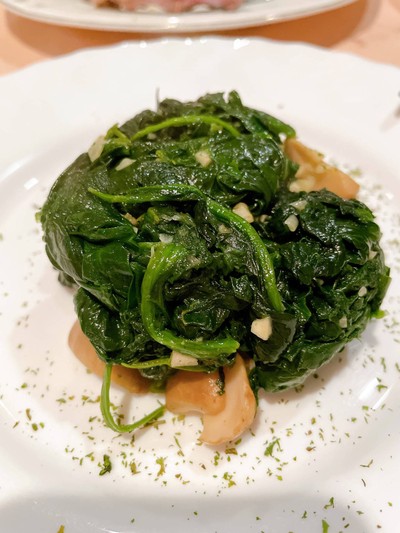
<point x="147" y="233"/>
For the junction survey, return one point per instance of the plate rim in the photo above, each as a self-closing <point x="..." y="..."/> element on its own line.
<point x="188" y="41"/>
<point x="74" y="56"/>
<point x="182" y="22"/>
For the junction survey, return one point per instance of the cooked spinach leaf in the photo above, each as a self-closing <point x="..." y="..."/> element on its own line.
<point x="332" y="278"/>
<point x="143" y="224"/>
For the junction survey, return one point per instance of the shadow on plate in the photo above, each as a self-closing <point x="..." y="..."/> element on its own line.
<point x="293" y="512"/>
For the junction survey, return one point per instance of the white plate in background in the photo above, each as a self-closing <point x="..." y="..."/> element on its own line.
<point x="81" y="13"/>
<point x="335" y="459"/>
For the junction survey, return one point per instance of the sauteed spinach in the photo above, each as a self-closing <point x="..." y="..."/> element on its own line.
<point x="146" y="225"/>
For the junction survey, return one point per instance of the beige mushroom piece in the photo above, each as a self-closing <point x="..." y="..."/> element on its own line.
<point x="315" y="174"/>
<point x="226" y="412"/>
<point x="240" y="407"/>
<point x="194" y="392"/>
<point x="226" y="415"/>
<point x="128" y="378"/>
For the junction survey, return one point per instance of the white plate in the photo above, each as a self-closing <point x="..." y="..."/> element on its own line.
<point x="337" y="459"/>
<point x="81" y="13"/>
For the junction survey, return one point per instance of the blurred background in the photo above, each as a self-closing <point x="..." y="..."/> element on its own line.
<point x="368" y="28"/>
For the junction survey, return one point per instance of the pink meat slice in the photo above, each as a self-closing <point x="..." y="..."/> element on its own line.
<point x="172" y="6"/>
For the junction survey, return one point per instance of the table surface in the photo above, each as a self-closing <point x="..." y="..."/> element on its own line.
<point x="368" y="28"/>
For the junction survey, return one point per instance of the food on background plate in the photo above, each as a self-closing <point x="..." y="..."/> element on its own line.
<point x="214" y="255"/>
<point x="169" y="6"/>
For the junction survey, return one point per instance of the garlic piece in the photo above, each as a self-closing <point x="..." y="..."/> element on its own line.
<point x="179" y="359"/>
<point x="243" y="211"/>
<point x="262" y="327"/>
<point x="124" y="163"/>
<point x="292" y="222"/>
<point x="299" y="205"/>
<point x="96" y="149"/>
<point x="362" y="291"/>
<point x="203" y="157"/>
<point x="131" y="219"/>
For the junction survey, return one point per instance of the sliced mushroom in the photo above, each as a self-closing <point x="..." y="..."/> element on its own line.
<point x="199" y="392"/>
<point x="315" y="174"/>
<point x="128" y="378"/>
<point x="239" y="411"/>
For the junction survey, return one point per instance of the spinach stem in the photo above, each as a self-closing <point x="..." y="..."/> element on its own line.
<point x="106" y="408"/>
<point x="149" y="364"/>
<point x="169" y="260"/>
<point x="182" y="192"/>
<point x="186" y="120"/>
<point x="264" y="260"/>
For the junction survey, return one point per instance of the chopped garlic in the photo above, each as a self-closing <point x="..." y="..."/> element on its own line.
<point x="164" y="237"/>
<point x="179" y="359"/>
<point x="203" y="157"/>
<point x="362" y="292"/>
<point x="125" y="162"/>
<point x="372" y="254"/>
<point x="343" y="322"/>
<point x="299" y="205"/>
<point x="96" y="149"/>
<point x="305" y="184"/>
<point x="292" y="222"/>
<point x="262" y="327"/>
<point x="223" y="229"/>
<point x="243" y="211"/>
<point x="131" y="219"/>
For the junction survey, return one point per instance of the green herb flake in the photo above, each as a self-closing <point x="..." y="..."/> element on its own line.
<point x="161" y="462"/>
<point x="134" y="468"/>
<point x="330" y="504"/>
<point x="269" y="450"/>
<point x="368" y="465"/>
<point x="61" y="529"/>
<point x="325" y="526"/>
<point x="106" y="466"/>
<point x="231" y="451"/>
<point x="229" y="478"/>
<point x="217" y="458"/>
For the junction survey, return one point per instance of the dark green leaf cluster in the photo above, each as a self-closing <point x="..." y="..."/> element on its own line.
<point x="147" y="232"/>
<point x="332" y="278"/>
